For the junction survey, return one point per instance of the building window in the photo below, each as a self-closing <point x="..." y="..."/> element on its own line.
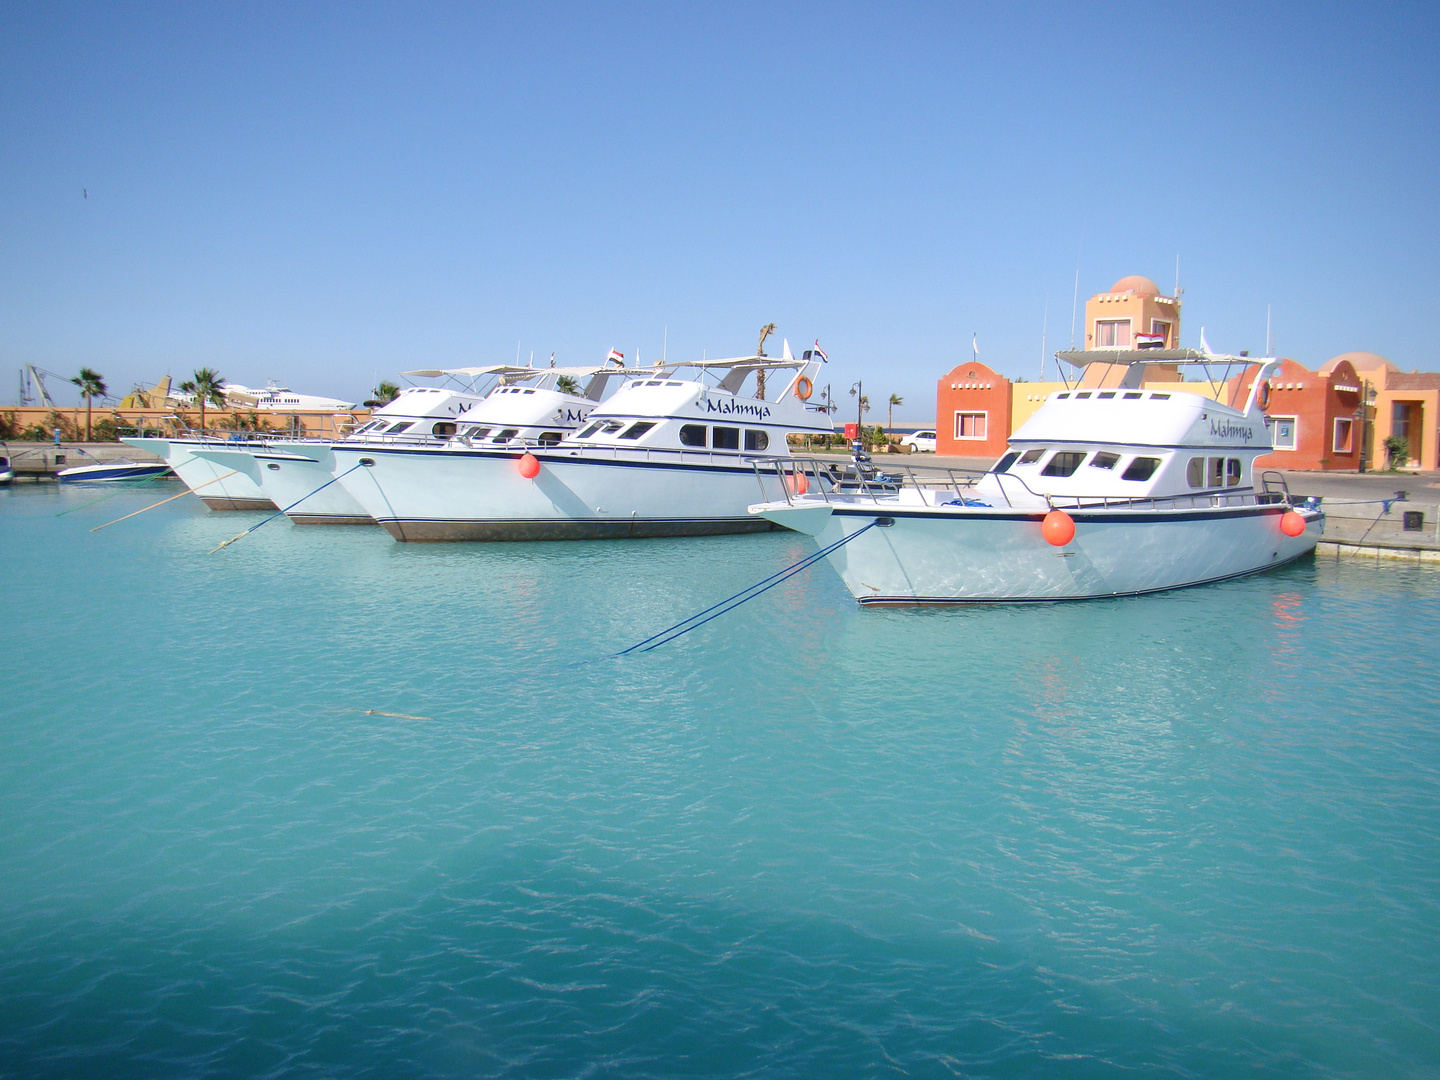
<point x="1400" y="420"/>
<point x="1282" y="431"/>
<point x="1344" y="434"/>
<point x="1160" y="326"/>
<point x="1112" y="333"/>
<point x="970" y="425"/>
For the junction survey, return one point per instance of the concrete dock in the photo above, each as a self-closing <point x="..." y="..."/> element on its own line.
<point x="41" y="461"/>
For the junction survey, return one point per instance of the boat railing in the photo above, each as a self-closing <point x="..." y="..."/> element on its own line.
<point x="799" y="477"/>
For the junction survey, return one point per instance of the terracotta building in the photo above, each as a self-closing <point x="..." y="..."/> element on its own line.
<point x="1316" y="417"/>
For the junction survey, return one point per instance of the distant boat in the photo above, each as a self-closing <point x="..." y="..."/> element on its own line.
<point x="7" y="472"/>
<point x="279" y="399"/>
<point x="119" y="469"/>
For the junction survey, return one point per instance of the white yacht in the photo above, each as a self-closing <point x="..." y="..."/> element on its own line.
<point x="275" y="398"/>
<point x="667" y="455"/>
<point x="1105" y="491"/>
<point x="223" y="472"/>
<point x="524" y="403"/>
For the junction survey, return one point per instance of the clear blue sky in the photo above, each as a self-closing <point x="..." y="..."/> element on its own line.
<point x="322" y="194"/>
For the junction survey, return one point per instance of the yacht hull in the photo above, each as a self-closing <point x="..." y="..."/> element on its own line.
<point x="977" y="555"/>
<point x="297" y="479"/>
<point x="453" y="493"/>
<point x="218" y="487"/>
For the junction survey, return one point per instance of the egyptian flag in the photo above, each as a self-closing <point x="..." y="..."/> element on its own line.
<point x="618" y="357"/>
<point x="817" y="351"/>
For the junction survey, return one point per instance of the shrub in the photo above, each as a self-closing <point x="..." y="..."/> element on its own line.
<point x="1397" y="451"/>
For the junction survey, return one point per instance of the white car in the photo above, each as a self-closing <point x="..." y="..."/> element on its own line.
<point x="920" y="442"/>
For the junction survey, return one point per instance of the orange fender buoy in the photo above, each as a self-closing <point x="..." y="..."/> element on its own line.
<point x="1291" y="523"/>
<point x="1058" y="528"/>
<point x="529" y="466"/>
<point x="799" y="484"/>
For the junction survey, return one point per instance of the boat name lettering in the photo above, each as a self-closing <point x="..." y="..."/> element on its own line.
<point x="1226" y="430"/>
<point x="726" y="408"/>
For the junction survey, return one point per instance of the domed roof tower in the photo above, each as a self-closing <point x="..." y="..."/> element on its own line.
<point x="1132" y="315"/>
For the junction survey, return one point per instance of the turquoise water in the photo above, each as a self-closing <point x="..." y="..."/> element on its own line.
<point x="1188" y="835"/>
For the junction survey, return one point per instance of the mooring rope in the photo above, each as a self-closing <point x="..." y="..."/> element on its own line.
<point x="287" y="509"/>
<point x="122" y="487"/>
<point x="162" y="502"/>
<point x="700" y="618"/>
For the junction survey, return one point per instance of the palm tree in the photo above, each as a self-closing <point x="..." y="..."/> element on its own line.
<point x="566" y="384"/>
<point x="383" y="394"/>
<point x="895" y="399"/>
<point x="92" y="385"/>
<point x="207" y="386"/>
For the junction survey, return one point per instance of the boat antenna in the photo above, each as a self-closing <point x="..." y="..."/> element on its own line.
<point x="665" y="346"/>
<point x="1044" y="327"/>
<point x="1269" y="339"/>
<point x="1075" y="302"/>
<point x="1177" y="279"/>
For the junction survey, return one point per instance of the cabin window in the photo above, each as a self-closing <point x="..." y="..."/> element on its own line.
<point x="505" y="434"/>
<point x="692" y="435"/>
<point x="1282" y="431"/>
<point x="1063" y="463"/>
<point x="1104" y="460"/>
<point x="443" y="427"/>
<point x="756" y="440"/>
<point x="634" y="431"/>
<point x="725" y="438"/>
<point x="1086" y="394"/>
<point x="1159" y="397"/>
<point x="1005" y="462"/>
<point x="1232" y="471"/>
<point x="1217" y="472"/>
<point x="1141" y="468"/>
<point x="1344" y="434"/>
<point x="1064" y="395"/>
<point x="478" y="433"/>
<point x="1031" y="456"/>
<point x="1195" y="472"/>
<point x="395" y="429"/>
<point x="583" y="435"/>
<point x="971" y="425"/>
<point x="548" y="438"/>
<point x="1106" y="394"/>
<point x="1133" y="396"/>
<point x="1112" y="333"/>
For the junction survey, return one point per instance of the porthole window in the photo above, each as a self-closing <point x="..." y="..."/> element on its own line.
<point x="272" y="465"/>
<point x="756" y="440"/>
<point x="1142" y="468"/>
<point x="692" y="435"/>
<point x="1063" y="463"/>
<point x="1195" y="472"/>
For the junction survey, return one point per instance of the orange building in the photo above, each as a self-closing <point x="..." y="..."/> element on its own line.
<point x="1405" y="405"/>
<point x="973" y="406"/>
<point x="1132" y="315"/>
<point x="1314" y="417"/>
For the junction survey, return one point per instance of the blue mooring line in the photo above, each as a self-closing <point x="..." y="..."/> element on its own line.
<point x="287" y="509"/>
<point x="654" y="641"/>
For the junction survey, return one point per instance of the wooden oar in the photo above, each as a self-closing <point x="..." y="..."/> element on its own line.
<point x="162" y="502"/>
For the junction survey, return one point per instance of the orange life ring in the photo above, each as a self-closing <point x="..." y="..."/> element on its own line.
<point x="804" y="388"/>
<point x="1262" y="396"/>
